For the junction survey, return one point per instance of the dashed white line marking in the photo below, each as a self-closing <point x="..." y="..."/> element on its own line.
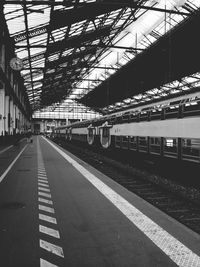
<point x="51" y="248"/>
<point x="44" y="189"/>
<point x="43" y="186"/>
<point x="47" y="218"/>
<point x="160" y="237"/>
<point x="44" y="194"/>
<point x="47" y="209"/>
<point x="49" y="231"/>
<point x="43" y="181"/>
<point x="50" y="202"/>
<point x="10" y="166"/>
<point x="46" y="185"/>
<point x="42" y="175"/>
<point x="44" y="263"/>
<point x="41" y="178"/>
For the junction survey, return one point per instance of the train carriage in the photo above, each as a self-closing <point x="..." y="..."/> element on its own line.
<point x="166" y="129"/>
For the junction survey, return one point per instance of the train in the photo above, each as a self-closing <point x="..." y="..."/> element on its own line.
<point x="167" y="129"/>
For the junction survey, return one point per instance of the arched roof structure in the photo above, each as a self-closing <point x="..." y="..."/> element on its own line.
<point x="82" y="49"/>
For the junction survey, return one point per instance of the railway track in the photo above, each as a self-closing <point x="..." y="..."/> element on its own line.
<point x="179" y="202"/>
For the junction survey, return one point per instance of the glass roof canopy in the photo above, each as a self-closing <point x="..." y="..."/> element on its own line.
<point x="69" y="47"/>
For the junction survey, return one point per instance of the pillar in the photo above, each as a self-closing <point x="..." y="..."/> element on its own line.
<point x="2" y="113"/>
<point x="11" y="116"/>
<point x="7" y="112"/>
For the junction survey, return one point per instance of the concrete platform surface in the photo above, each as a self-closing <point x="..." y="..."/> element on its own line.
<point x="56" y="210"/>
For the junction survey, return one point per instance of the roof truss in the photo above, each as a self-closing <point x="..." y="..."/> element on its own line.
<point x="61" y="42"/>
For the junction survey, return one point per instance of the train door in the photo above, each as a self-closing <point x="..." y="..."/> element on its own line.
<point x="70" y="134"/>
<point x="91" y="135"/>
<point x="105" y="136"/>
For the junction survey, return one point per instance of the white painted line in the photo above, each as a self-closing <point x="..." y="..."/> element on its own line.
<point x="45" y="201"/>
<point x="46" y="185"/>
<point x="49" y="231"/>
<point x="47" y="218"/>
<point x="10" y="166"/>
<point x="43" y="175"/>
<point x="44" y="178"/>
<point x="43" y="189"/>
<point x="5" y="149"/>
<point x="45" y="208"/>
<point x="52" y="248"/>
<point x="44" y="263"/>
<point x="43" y="181"/>
<point x="172" y="247"/>
<point x="44" y="194"/>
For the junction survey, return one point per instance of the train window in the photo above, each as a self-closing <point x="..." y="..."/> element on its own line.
<point x="125" y="140"/>
<point x="144" y="115"/>
<point x="191" y="149"/>
<point x="171" y="112"/>
<point x="156" y="114"/>
<point x="171" y="147"/>
<point x="133" y="142"/>
<point x="90" y="132"/>
<point x="112" y="119"/>
<point x="119" y="118"/>
<point x="170" y="142"/>
<point x="118" y="141"/>
<point x="134" y="117"/>
<point x="143" y="143"/>
<point x="191" y="109"/>
<point x="125" y="117"/>
<point x="105" y="132"/>
<point x="133" y="139"/>
<point x="155" y="143"/>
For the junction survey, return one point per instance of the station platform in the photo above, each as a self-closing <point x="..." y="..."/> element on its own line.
<point x="56" y="210"/>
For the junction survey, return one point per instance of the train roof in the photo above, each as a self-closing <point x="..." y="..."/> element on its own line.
<point x="153" y="106"/>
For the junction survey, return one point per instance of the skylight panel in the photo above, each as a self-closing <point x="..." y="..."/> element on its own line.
<point x="37" y="23"/>
<point x="53" y="57"/>
<point x="41" y="39"/>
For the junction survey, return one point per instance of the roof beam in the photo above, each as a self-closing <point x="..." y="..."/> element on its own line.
<point x="115" y="46"/>
<point x="79" y="40"/>
<point x="28" y="43"/>
<point x="31" y="46"/>
<point x="83" y="12"/>
<point x="105" y="3"/>
<point x="70" y="58"/>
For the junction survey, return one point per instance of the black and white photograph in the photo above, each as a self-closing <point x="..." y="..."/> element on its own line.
<point x="99" y="133"/>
